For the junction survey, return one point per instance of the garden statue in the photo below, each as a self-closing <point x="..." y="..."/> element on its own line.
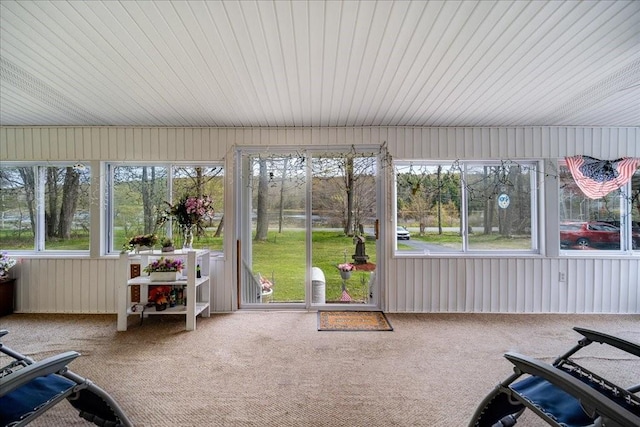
<point x="360" y="257"/>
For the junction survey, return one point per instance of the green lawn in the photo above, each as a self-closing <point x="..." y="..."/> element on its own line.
<point x="25" y="241"/>
<point x="282" y="256"/>
<point x="453" y="240"/>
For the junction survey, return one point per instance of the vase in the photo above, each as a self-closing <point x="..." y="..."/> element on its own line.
<point x="187" y="237"/>
<point x="345" y="274"/>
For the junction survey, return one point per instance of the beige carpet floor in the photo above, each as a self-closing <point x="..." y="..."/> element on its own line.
<point x="276" y="369"/>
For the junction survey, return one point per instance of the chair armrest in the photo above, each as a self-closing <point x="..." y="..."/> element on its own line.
<point x="589" y="398"/>
<point x="50" y="365"/>
<point x="616" y="342"/>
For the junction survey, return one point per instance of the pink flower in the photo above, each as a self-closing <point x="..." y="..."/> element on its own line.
<point x="346" y="266"/>
<point x="165" y="264"/>
<point x="189" y="211"/>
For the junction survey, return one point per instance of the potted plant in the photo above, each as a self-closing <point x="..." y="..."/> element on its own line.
<point x="167" y="245"/>
<point x="164" y="269"/>
<point x="141" y="242"/>
<point x="159" y="296"/>
<point x="5" y="265"/>
<point x="266" y="290"/>
<point x="345" y="270"/>
<point x="6" y="284"/>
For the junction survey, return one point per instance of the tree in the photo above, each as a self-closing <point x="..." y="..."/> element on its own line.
<point x="284" y="177"/>
<point x="70" y="194"/>
<point x="138" y="187"/>
<point x="262" y="225"/>
<point x="28" y="179"/>
<point x="198" y="182"/>
<point x="345" y="185"/>
<point x="423" y="192"/>
<point x="349" y="184"/>
<point x="149" y="194"/>
<point x="51" y="213"/>
<point x="62" y="193"/>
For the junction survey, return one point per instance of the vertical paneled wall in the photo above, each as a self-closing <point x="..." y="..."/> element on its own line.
<point x="57" y="285"/>
<point x="79" y="285"/>
<point x="432" y="284"/>
<point x="514" y="285"/>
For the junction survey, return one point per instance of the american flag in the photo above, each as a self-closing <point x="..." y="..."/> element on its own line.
<point x="597" y="178"/>
<point x="345" y="296"/>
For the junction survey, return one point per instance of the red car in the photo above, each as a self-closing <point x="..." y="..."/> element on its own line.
<point x="582" y="235"/>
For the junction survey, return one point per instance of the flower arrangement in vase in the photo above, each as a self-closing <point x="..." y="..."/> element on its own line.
<point x="164" y="269"/>
<point x="189" y="213"/>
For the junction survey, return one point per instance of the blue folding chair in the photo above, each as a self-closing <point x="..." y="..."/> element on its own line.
<point x="29" y="388"/>
<point x="564" y="393"/>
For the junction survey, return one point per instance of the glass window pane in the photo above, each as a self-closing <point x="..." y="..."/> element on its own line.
<point x="428" y="208"/>
<point x="343" y="208"/>
<point x="201" y="182"/>
<point x="18" y="208"/>
<point x="138" y="194"/>
<point x="635" y="211"/>
<point x="66" y="207"/>
<point x="499" y="206"/>
<point x="585" y="223"/>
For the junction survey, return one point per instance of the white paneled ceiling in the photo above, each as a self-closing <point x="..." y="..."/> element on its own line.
<point x="320" y="63"/>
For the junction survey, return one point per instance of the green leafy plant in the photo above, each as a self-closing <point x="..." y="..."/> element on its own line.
<point x="148" y="240"/>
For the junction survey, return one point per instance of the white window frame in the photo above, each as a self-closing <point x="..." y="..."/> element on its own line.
<point x="39" y="243"/>
<point x="109" y="177"/>
<point x="536" y="216"/>
<point x="626" y="245"/>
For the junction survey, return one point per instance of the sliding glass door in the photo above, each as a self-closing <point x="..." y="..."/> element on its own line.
<point x="344" y="224"/>
<point x="301" y="215"/>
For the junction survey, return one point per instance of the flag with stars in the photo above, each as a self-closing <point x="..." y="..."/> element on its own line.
<point x="597" y="178"/>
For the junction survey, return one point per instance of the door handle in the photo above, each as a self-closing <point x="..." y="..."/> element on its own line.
<point x="377" y="228"/>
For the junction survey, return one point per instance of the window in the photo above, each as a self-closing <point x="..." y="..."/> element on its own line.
<point x="44" y="207"/>
<point x="634" y="201"/>
<point x="139" y="193"/>
<point x="609" y="223"/>
<point x="466" y="207"/>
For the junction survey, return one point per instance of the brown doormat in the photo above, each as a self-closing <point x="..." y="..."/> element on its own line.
<point x="353" y="321"/>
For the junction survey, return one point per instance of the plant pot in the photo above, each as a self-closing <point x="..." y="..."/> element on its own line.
<point x="168" y="249"/>
<point x="265" y="296"/>
<point x="164" y="276"/>
<point x="345" y="274"/>
<point x="161" y="307"/>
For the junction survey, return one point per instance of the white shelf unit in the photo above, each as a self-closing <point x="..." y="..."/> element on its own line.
<point x="198" y="289"/>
